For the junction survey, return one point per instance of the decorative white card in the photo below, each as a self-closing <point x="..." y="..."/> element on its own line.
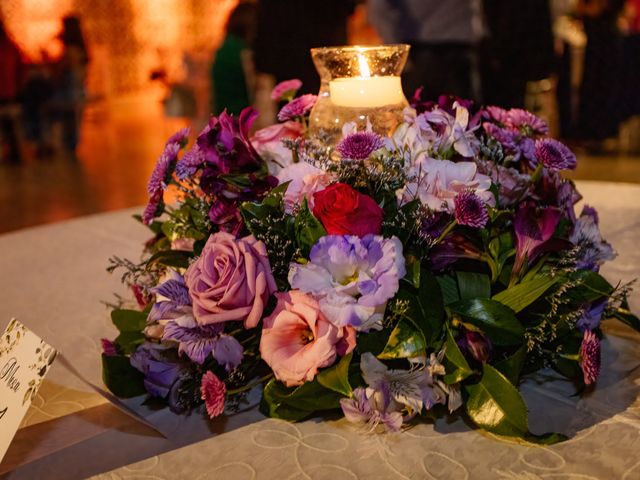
<point x="24" y="361"/>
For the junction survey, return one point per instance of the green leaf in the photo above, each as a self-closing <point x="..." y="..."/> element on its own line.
<point x="449" y="289"/>
<point x="171" y="258"/>
<point x="592" y="286"/>
<point x="120" y="377"/>
<point x="405" y="341"/>
<point x="129" y="341"/>
<point x="456" y="365"/>
<point x="495" y="405"/>
<point x="473" y="285"/>
<point x="129" y="320"/>
<point x="373" y="342"/>
<point x="523" y="294"/>
<point x="511" y="366"/>
<point x="412" y="264"/>
<point x="546" y="438"/>
<point x="498" y="321"/>
<point x="426" y="307"/>
<point x="297" y="403"/>
<point x="623" y="314"/>
<point x="336" y="378"/>
<point x="308" y="229"/>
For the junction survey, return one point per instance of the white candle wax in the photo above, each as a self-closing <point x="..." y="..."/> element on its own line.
<point x="366" y="92"/>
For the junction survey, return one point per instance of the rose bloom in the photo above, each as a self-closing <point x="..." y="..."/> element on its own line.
<point x="297" y="339"/>
<point x="231" y="280"/>
<point x="345" y="211"/>
<point x="305" y="180"/>
<point x="268" y="144"/>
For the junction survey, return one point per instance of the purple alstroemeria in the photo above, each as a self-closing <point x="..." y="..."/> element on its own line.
<point x="534" y="228"/>
<point x="590" y="357"/>
<point x="477" y="344"/>
<point x="592" y="315"/>
<point x="173" y="299"/>
<point x="158" y="364"/>
<point x="352" y="277"/>
<point x="371" y="407"/>
<point x="359" y="145"/>
<point x="198" y="341"/>
<point x="451" y="249"/>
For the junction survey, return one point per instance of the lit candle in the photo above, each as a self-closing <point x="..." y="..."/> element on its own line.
<point x="366" y="91"/>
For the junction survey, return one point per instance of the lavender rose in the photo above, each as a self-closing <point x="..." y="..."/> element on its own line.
<point x="231" y="280"/>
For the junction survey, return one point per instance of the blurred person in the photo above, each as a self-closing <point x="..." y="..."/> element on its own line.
<point x="232" y="71"/>
<point x="10" y="83"/>
<point x="519" y="48"/>
<point x="288" y="29"/>
<point x="600" y="110"/>
<point x="69" y="75"/>
<point x="444" y="38"/>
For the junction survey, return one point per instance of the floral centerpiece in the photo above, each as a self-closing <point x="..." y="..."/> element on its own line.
<point x="394" y="278"/>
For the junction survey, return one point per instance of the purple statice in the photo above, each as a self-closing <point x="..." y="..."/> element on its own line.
<point x="286" y="89"/>
<point x="159" y="365"/>
<point x="476" y="344"/>
<point x="359" y="145"/>
<point x="554" y="155"/>
<point x="592" y="315"/>
<point x="470" y="210"/>
<point x="590" y="357"/>
<point x="352" y="277"/>
<point x="534" y="227"/>
<point x="298" y="107"/>
<point x="527" y="123"/>
<point x="593" y="249"/>
<point x="371" y="408"/>
<point x="198" y="341"/>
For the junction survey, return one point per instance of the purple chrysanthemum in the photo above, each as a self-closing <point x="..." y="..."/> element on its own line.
<point x="180" y="137"/>
<point x="297" y="107"/>
<point x="470" y="210"/>
<point x="590" y="357"/>
<point x="286" y="90"/>
<point x="153" y="208"/>
<point x="213" y="391"/>
<point x="554" y="155"/>
<point x="158" y="178"/>
<point x="359" y="145"/>
<point x="528" y="123"/>
<point x="189" y="163"/>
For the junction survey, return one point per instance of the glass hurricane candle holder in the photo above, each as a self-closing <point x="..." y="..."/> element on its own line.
<point x="358" y="84"/>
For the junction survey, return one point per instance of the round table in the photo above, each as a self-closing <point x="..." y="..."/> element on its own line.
<point x="54" y="280"/>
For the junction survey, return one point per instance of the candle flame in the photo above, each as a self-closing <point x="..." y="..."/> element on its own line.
<point x="364" y="66"/>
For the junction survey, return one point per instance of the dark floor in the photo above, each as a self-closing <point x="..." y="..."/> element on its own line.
<point x="118" y="150"/>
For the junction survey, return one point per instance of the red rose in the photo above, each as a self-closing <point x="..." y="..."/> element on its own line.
<point x="345" y="211"/>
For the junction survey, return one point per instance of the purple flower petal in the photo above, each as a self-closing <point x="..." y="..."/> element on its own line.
<point x="554" y="155"/>
<point x="297" y="107"/>
<point x="359" y="145"/>
<point x="470" y="210"/>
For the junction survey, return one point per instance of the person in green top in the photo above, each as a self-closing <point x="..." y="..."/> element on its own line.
<point x="232" y="72"/>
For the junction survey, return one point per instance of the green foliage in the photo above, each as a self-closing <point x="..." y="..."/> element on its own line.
<point x="519" y="296"/>
<point x="405" y="341"/>
<point x="336" y="378"/>
<point x="120" y="377"/>
<point x="511" y="366"/>
<point x="456" y="365"/>
<point x="170" y="258"/>
<point x="129" y="320"/>
<point x="308" y="229"/>
<point x="473" y="285"/>
<point x="498" y="321"/>
<point x="297" y="403"/>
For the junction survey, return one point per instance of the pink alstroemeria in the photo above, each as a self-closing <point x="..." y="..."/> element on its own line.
<point x="534" y="228"/>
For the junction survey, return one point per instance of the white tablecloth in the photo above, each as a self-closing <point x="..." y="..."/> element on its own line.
<point x="54" y="280"/>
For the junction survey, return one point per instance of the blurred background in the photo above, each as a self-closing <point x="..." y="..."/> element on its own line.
<point x="90" y="89"/>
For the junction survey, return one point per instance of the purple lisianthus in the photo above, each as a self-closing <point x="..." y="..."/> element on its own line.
<point x="470" y="210"/>
<point x="592" y="315"/>
<point x="593" y="249"/>
<point x="359" y="145"/>
<point x="554" y="155"/>
<point x="590" y="357"/>
<point x="159" y="365"/>
<point x="285" y="90"/>
<point x="198" y="341"/>
<point x="534" y="228"/>
<point x="297" y="107"/>
<point x="352" y="277"/>
<point x="371" y="408"/>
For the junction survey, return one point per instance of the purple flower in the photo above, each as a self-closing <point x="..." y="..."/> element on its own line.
<point x="590" y="357"/>
<point x="470" y="210"/>
<point x="174" y="302"/>
<point x="477" y="344"/>
<point x="158" y="178"/>
<point x="213" y="391"/>
<point x="593" y="249"/>
<point x="109" y="348"/>
<point x="352" y="277"/>
<point x="285" y="90"/>
<point x="527" y="123"/>
<point x="158" y="365"/>
<point x="359" y="145"/>
<point x="297" y="108"/>
<point x="154" y="208"/>
<point x="198" y="341"/>
<point x="189" y="163"/>
<point x="370" y="407"/>
<point x="592" y="314"/>
<point x="497" y="114"/>
<point x="433" y="224"/>
<point x="534" y="228"/>
<point x="554" y="155"/>
<point x="180" y="137"/>
<point x="451" y="249"/>
<point x="512" y="185"/>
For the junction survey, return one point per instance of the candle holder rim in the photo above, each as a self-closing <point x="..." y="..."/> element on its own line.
<point x="361" y="48"/>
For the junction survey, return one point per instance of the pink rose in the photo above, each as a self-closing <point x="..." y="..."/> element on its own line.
<point x="297" y="339"/>
<point x="268" y="144"/>
<point x="305" y="180"/>
<point x="231" y="280"/>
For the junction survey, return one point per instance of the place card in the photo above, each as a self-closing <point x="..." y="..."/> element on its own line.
<point x="24" y="361"/>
